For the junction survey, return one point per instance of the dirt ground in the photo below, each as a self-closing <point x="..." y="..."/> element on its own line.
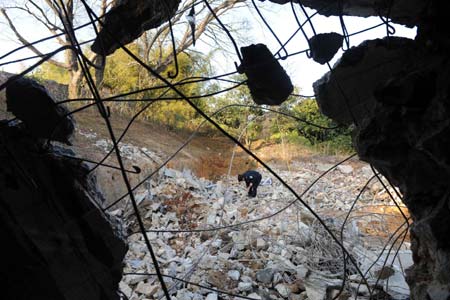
<point x="207" y="156"/>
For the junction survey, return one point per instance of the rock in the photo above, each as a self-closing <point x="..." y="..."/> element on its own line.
<point x="170" y="173"/>
<point x="136" y="263"/>
<point x="245" y="286"/>
<point x="316" y="286"/>
<point x="404" y="12"/>
<point x="133" y="279"/>
<point x="362" y="289"/>
<point x="265" y="275"/>
<point x="283" y="290"/>
<point x="146" y="288"/>
<point x="216" y="279"/>
<point x="297" y="286"/>
<point x="324" y="46"/>
<point x="277" y="278"/>
<point x="212" y="296"/>
<point x="345" y="169"/>
<point x="344" y="295"/>
<point x="240" y="241"/>
<point x="217" y="243"/>
<point x="128" y="19"/>
<point x="234" y="275"/>
<point x="302" y="271"/>
<point x="268" y="82"/>
<point x="345" y="108"/>
<point x="32" y="104"/>
<point x="355" y="278"/>
<point x="397" y="138"/>
<point x="211" y="220"/>
<point x="184" y="294"/>
<point x="384" y="273"/>
<point x="50" y="218"/>
<point x="303" y="296"/>
<point x="124" y="288"/>
<point x="376" y="187"/>
<point x="261" y="244"/>
<point x="254" y="296"/>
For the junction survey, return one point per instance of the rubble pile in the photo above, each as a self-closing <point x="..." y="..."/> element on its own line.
<point x="268" y="247"/>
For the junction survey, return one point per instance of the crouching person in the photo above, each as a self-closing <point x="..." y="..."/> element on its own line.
<point x="252" y="180"/>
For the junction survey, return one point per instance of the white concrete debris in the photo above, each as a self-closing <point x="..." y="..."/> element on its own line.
<point x="234" y="274"/>
<point x="281" y="257"/>
<point x="254" y="296"/>
<point x="245" y="286"/>
<point x="128" y="151"/>
<point x="283" y="290"/>
<point x="212" y="296"/>
<point x="346" y="169"/>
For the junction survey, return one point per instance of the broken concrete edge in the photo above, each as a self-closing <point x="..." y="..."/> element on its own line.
<point x="50" y="214"/>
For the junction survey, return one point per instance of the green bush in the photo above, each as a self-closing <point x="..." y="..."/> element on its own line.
<point x="328" y="141"/>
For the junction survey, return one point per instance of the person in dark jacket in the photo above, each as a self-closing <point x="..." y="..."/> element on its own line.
<point x="252" y="180"/>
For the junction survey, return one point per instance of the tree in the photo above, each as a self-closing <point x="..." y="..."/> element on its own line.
<point x="123" y="75"/>
<point x="47" y="14"/>
<point x="60" y="23"/>
<point x="239" y="120"/>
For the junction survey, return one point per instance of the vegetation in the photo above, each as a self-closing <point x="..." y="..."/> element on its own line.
<point x="47" y="19"/>
<point x="121" y="76"/>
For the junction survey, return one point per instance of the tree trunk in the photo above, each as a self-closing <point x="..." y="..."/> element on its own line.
<point x="75" y="85"/>
<point x="99" y="61"/>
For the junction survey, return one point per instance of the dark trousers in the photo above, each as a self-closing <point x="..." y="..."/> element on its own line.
<point x="254" y="187"/>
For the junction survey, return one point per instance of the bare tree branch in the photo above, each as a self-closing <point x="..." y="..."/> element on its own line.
<point x="54" y="27"/>
<point x="26" y="43"/>
<point x="186" y="41"/>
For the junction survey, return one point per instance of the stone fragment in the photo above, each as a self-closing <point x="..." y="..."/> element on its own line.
<point x="316" y="286"/>
<point x="59" y="243"/>
<point x="265" y="275"/>
<point x="384" y="273"/>
<point x="216" y="279"/>
<point x="405" y="12"/>
<point x="212" y="296"/>
<point x="245" y="286"/>
<point x="345" y="169"/>
<point x="324" y="46"/>
<point x="128" y="19"/>
<point x="369" y="58"/>
<point x="303" y="296"/>
<point x="261" y="244"/>
<point x="30" y="102"/>
<point x="170" y="173"/>
<point x="297" y="286"/>
<point x="234" y="275"/>
<point x="283" y="290"/>
<point x="267" y="80"/>
<point x="254" y="296"/>
<point x="302" y="271"/>
<point x="343" y="295"/>
<point x="133" y="279"/>
<point x="146" y="288"/>
<point x="124" y="288"/>
<point x="184" y="294"/>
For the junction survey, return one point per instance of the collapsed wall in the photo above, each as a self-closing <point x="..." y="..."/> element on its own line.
<point x="57" y="244"/>
<point x="396" y="92"/>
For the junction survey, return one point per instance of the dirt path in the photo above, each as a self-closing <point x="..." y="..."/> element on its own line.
<point x="206" y="156"/>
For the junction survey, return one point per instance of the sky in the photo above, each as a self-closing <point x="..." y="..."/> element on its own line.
<point x="302" y="70"/>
